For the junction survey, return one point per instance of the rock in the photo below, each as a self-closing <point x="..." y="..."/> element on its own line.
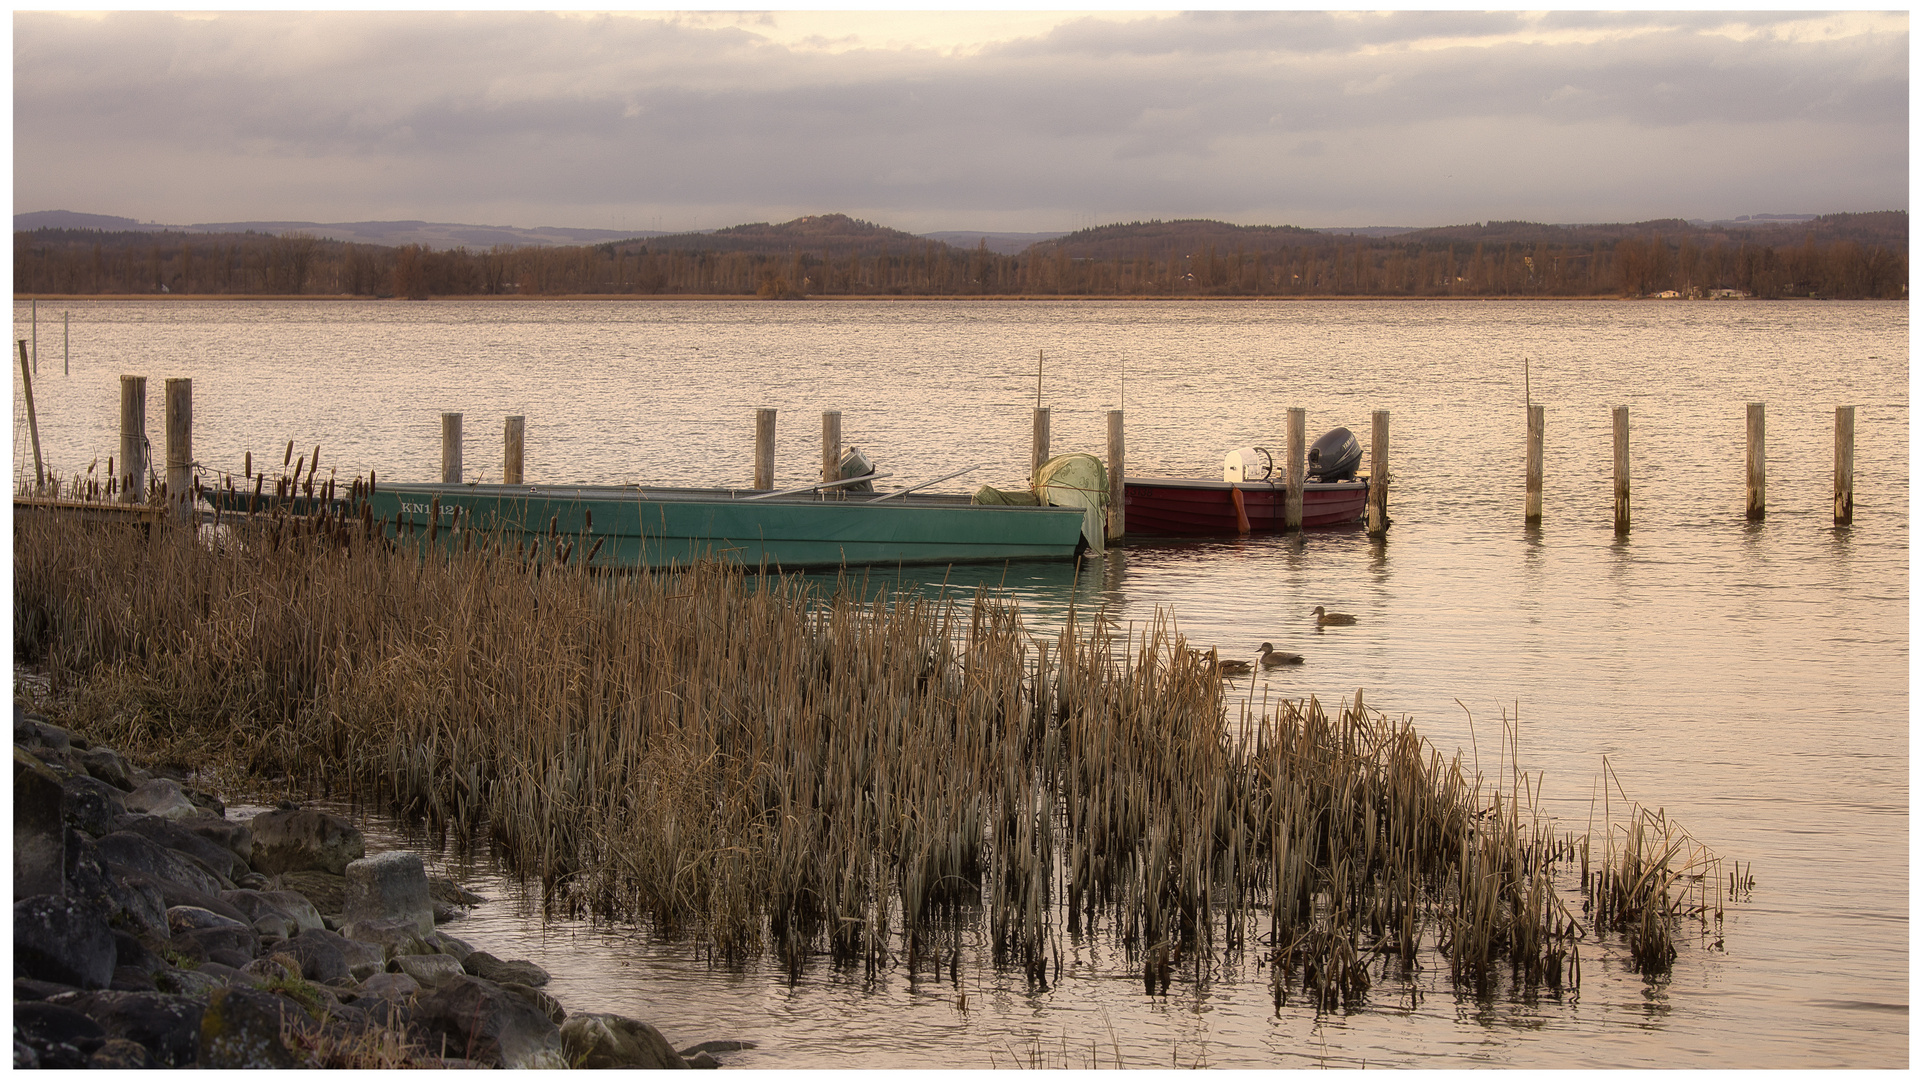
<point x="451" y="945"/>
<point x="387" y="886"/>
<point x="135" y="852"/>
<point x="274" y="965"/>
<point x="132" y="978"/>
<point x="34" y="732"/>
<point x="130" y="951"/>
<point x="208" y="802"/>
<point x="389" y="984"/>
<point x="326" y="892"/>
<point x="198" y="918"/>
<point x="232" y="835"/>
<point x="197" y="983"/>
<point x="89" y="805"/>
<point x="702" y="1060"/>
<point x="25" y="989"/>
<point x="62" y="939"/>
<point x="233" y="946"/>
<point x="39" y="826"/>
<point x="161" y="798"/>
<point x="283" y="904"/>
<point x="486" y="966"/>
<point x="181" y="838"/>
<point x="486" y="1024"/>
<point x="394" y="937"/>
<point x="119" y="1053"/>
<point x="548" y="1005"/>
<point x="133" y="901"/>
<point x="445" y="890"/>
<point x="429" y="969"/>
<point x="41" y="1023"/>
<point x="173" y="894"/>
<point x="166" y="1024"/>
<point x="319" y="958"/>
<point x="716" y="1046"/>
<point x="607" y="1041"/>
<point x="108" y="767"/>
<point x="292" y="840"/>
<point x="241" y="1030"/>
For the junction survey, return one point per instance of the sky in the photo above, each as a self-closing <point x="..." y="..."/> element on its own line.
<point x="1011" y="120"/>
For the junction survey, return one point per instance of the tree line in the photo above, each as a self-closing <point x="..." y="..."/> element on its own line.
<point x="88" y="262"/>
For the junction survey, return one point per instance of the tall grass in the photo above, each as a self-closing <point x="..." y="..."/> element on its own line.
<point x="799" y="772"/>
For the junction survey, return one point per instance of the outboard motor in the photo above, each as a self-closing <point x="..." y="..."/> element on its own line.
<point x="854" y="463"/>
<point x="1334" y="457"/>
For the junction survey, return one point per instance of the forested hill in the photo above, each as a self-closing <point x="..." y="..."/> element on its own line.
<point x="822" y="235"/>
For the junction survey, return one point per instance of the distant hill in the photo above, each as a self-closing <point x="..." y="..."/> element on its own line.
<point x="1000" y="243"/>
<point x="1159" y="238"/>
<point x="438" y="235"/>
<point x="826" y="235"/>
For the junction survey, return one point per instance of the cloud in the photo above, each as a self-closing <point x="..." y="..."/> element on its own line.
<point x="711" y="118"/>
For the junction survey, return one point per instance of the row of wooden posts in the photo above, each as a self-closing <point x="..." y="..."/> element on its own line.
<point x="134" y="455"/>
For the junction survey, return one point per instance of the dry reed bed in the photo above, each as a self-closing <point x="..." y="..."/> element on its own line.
<point x="792" y="771"/>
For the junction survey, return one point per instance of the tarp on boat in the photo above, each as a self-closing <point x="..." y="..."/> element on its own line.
<point x="1078" y="480"/>
<point x="993" y="496"/>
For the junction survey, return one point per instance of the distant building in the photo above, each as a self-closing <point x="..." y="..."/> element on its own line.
<point x="1670" y="294"/>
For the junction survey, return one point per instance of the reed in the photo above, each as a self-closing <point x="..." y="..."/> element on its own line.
<point x="813" y="775"/>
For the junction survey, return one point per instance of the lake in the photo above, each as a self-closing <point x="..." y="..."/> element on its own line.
<point x="1749" y="678"/>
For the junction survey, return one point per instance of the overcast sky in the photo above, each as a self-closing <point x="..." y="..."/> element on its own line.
<point x="1016" y="121"/>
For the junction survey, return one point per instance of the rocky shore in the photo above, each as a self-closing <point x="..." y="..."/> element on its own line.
<point x="150" y="931"/>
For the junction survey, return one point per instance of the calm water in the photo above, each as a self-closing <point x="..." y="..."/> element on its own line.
<point x="1751" y="679"/>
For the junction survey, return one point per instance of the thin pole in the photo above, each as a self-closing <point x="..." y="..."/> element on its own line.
<point x="1296" y="468"/>
<point x="133" y="438"/>
<point x="66" y="357"/>
<point x="1622" y="491"/>
<point x="449" y="448"/>
<point x="1536" y="439"/>
<point x="1040" y="378"/>
<point x="514" y="470"/>
<point x="33" y="422"/>
<point x="1116" y="474"/>
<point x="34" y="307"/>
<point x="178" y="417"/>
<point x="1377" y="481"/>
<point x="829" y="446"/>
<point x="1042" y="439"/>
<point x="763" y="449"/>
<point x="1756" y="460"/>
<point x="1842" y="464"/>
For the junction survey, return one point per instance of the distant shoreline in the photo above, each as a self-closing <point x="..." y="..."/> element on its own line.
<point x="839" y="299"/>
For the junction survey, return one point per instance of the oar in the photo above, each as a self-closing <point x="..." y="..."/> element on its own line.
<point x="820" y="487"/>
<point x="927" y="483"/>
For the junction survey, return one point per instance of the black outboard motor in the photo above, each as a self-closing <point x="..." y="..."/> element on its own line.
<point x="1334" y="457"/>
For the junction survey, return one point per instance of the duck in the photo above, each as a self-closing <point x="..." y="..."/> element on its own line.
<point x="1333" y="618"/>
<point x="1270" y="658"/>
<point x="1236" y="667"/>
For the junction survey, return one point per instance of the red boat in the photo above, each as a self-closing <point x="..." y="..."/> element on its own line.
<point x="1253" y="495"/>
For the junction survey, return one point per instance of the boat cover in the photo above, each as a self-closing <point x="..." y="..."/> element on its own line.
<point x="1078" y="480"/>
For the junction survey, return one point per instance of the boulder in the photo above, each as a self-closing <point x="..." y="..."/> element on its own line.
<point x="318" y="957"/>
<point x="232" y="835"/>
<point x="326" y="892"/>
<point x="486" y="966"/>
<point x="62" y="939"/>
<point x="292" y="840"/>
<point x="445" y="890"/>
<point x="39" y="828"/>
<point x="132" y="978"/>
<point x="206" y="801"/>
<point x="89" y="805"/>
<point x="450" y="945"/>
<point x="167" y="1025"/>
<point x="388" y="984"/>
<point x="41" y="1022"/>
<point x="394" y="937"/>
<point x="233" y="946"/>
<point x="198" y="982"/>
<point x="130" y="951"/>
<point x="388" y="886"/>
<point x="485" y="1024"/>
<point x="181" y="838"/>
<point x="133" y="901"/>
<point x="428" y="969"/>
<point x="161" y="798"/>
<point x="282" y="904"/>
<point x="548" y="1004"/>
<point x="198" y="918"/>
<point x="241" y="1030"/>
<point x="25" y="989"/>
<point x="132" y="851"/>
<point x="703" y="1060"/>
<point x="118" y="1053"/>
<point x="607" y="1041"/>
<point x="33" y="732"/>
<point x="108" y="767"/>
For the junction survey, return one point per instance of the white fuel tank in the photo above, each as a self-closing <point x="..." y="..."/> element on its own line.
<point x="1252" y="465"/>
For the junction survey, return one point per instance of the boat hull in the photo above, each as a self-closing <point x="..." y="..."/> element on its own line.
<point x="652" y="527"/>
<point x="1157" y="507"/>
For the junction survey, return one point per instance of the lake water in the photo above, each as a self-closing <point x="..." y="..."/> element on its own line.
<point x="1749" y="678"/>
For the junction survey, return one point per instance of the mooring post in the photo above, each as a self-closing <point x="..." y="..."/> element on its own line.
<point x="133" y="438"/>
<point x="1756" y="460"/>
<point x="66" y="357"/>
<point x="449" y="448"/>
<point x="514" y="470"/>
<point x="177" y="413"/>
<point x="33" y="422"/>
<point x="1116" y="474"/>
<point x="1296" y="468"/>
<point x="829" y="446"/>
<point x="1536" y="438"/>
<point x="35" y="309"/>
<point x="1377" y="482"/>
<point x="1622" y="488"/>
<point x="763" y="449"/>
<point x="1041" y="439"/>
<point x="1842" y="463"/>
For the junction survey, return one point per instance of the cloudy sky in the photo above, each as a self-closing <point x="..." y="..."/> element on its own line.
<point x="1007" y="120"/>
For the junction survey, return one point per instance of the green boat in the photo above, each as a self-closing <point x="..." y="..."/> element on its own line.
<point x="630" y="526"/>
